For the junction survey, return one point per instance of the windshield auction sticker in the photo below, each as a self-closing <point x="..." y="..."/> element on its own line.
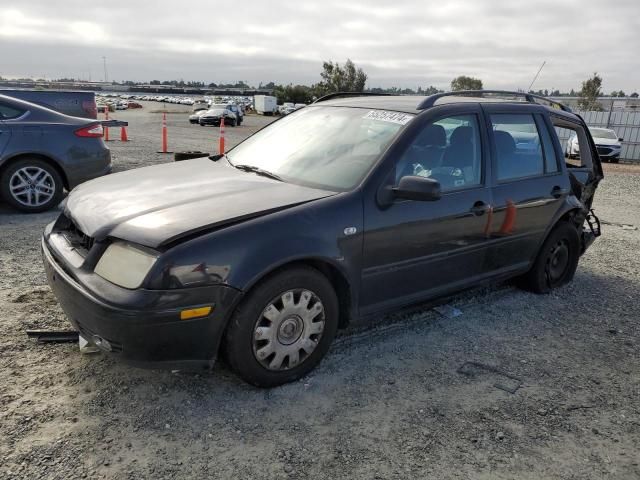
<point x="393" y="117"/>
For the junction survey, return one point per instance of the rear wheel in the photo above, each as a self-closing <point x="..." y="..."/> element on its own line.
<point x="31" y="185"/>
<point x="556" y="262"/>
<point x="283" y="328"/>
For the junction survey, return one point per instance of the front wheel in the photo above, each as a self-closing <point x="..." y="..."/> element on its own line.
<point x="31" y="185"/>
<point x="283" y="328"/>
<point x="556" y="262"/>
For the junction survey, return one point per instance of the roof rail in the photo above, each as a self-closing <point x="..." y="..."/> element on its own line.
<point x="331" y="96"/>
<point x="529" y="97"/>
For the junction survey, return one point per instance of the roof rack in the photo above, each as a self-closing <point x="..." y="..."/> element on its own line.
<point x="529" y="97"/>
<point x="331" y="96"/>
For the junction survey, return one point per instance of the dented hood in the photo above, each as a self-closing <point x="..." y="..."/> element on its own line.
<point x="157" y="205"/>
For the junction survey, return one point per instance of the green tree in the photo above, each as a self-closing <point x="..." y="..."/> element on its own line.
<point x="293" y="93"/>
<point x="634" y="95"/>
<point x="466" y="83"/>
<point x="337" y="78"/>
<point x="588" y="95"/>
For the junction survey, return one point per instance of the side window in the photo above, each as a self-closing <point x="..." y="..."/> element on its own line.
<point x="550" y="159"/>
<point x="447" y="150"/>
<point x="518" y="146"/>
<point x="7" y="112"/>
<point x="573" y="139"/>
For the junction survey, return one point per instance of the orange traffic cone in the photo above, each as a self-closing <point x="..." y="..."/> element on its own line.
<point x="106" y="117"/>
<point x="123" y="134"/>
<point x="164" y="135"/>
<point x="221" y="141"/>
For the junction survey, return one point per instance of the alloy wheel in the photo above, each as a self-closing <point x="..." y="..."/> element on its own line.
<point x="32" y="186"/>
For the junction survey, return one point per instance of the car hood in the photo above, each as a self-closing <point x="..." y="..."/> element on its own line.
<point x="157" y="205"/>
<point x="606" y="141"/>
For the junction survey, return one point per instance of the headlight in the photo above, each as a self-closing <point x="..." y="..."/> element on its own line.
<point x="125" y="265"/>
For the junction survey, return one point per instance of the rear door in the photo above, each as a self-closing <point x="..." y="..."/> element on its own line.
<point x="529" y="185"/>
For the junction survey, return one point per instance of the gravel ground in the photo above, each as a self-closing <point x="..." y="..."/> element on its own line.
<point x="389" y="401"/>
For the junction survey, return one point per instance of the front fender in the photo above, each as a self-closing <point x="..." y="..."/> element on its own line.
<point x="240" y="255"/>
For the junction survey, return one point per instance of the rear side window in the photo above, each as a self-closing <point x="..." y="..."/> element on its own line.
<point x="573" y="138"/>
<point x="550" y="159"/>
<point x="518" y="146"/>
<point x="7" y="112"/>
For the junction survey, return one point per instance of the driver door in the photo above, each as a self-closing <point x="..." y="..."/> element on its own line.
<point x="418" y="249"/>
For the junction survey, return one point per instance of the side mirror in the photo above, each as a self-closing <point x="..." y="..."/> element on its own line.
<point x="620" y="139"/>
<point x="413" y="187"/>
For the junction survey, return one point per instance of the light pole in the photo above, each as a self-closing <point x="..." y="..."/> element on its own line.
<point x="104" y="63"/>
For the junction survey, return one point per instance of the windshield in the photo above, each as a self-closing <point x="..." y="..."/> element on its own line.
<point x="331" y="148"/>
<point x="603" y="133"/>
<point x="218" y="106"/>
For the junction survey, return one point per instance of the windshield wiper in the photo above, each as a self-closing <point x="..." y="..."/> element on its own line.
<point x="258" y="171"/>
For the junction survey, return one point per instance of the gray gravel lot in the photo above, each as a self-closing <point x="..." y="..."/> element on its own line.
<point x="387" y="402"/>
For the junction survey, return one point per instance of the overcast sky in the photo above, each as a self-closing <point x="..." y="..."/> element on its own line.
<point x="406" y="43"/>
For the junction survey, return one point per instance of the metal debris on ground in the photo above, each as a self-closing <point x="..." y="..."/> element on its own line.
<point x="509" y="383"/>
<point x="624" y="226"/>
<point x="53" y="336"/>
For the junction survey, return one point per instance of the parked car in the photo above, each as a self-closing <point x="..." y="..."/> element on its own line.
<point x="43" y="152"/>
<point x="215" y="114"/>
<point x="347" y="208"/>
<point x="606" y="140"/>
<point x="73" y="103"/>
<point x="286" y="108"/>
<point x="132" y="104"/>
<point x="200" y="105"/>
<point x="195" y="117"/>
<point x="239" y="112"/>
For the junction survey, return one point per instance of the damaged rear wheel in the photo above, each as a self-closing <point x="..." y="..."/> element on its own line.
<point x="556" y="262"/>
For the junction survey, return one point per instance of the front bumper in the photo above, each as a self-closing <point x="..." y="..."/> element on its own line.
<point x="210" y="121"/>
<point x="142" y="327"/>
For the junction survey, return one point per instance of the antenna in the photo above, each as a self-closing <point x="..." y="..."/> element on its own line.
<point x="104" y="62"/>
<point x="536" y="77"/>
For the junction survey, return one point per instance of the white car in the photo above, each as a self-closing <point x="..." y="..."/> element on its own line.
<point x="606" y="140"/>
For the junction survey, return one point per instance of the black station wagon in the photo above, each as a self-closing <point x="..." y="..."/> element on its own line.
<point x="352" y="206"/>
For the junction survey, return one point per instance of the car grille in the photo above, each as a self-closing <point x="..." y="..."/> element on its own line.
<point x="604" y="150"/>
<point x="77" y="237"/>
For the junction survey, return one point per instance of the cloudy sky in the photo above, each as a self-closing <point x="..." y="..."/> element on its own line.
<point x="406" y="43"/>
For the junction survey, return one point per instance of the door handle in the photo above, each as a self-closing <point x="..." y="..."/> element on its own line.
<point x="557" y="192"/>
<point x="479" y="208"/>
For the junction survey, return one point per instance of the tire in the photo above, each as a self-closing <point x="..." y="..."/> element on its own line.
<point x="614" y="160"/>
<point x="285" y="331"/>
<point x="562" y="246"/>
<point x="45" y="192"/>
<point x="179" y="156"/>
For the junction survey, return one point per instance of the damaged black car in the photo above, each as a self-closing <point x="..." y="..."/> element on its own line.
<point x="353" y="206"/>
